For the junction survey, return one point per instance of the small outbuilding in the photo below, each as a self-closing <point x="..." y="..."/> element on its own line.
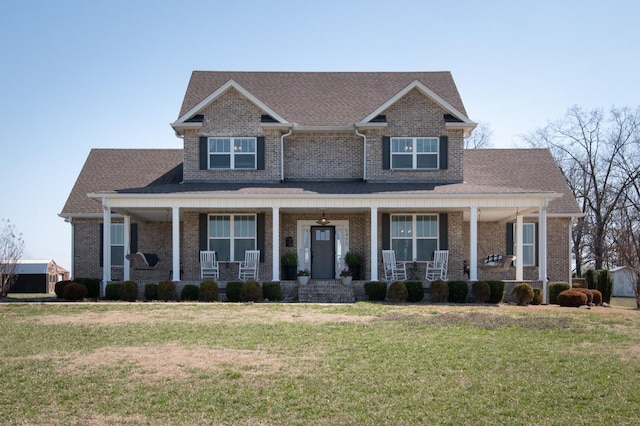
<point x="624" y="281"/>
<point x="37" y="276"/>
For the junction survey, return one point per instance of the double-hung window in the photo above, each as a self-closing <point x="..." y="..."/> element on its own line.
<point x="117" y="244"/>
<point x="414" y="153"/>
<point x="232" y="153"/>
<point x="528" y="243"/>
<point x="414" y="237"/>
<point x="231" y="235"/>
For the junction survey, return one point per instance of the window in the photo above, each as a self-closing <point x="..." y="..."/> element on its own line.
<point x="414" y="237"/>
<point x="528" y="243"/>
<point x="231" y="235"/>
<point x="117" y="244"/>
<point x="232" y="153"/>
<point x="414" y="153"/>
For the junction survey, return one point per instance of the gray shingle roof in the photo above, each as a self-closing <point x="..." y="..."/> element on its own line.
<point x="321" y="98"/>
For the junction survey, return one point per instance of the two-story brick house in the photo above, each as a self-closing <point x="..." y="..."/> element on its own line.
<point x="265" y="155"/>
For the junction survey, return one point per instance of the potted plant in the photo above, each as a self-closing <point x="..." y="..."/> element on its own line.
<point x="303" y="276"/>
<point x="354" y="262"/>
<point x="289" y="265"/>
<point x="345" y="276"/>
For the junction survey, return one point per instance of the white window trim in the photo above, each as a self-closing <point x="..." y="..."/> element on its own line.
<point x="532" y="244"/>
<point x="232" y="154"/>
<point x="414" y="153"/>
<point x="303" y="228"/>
<point x="414" y="232"/>
<point x="231" y="237"/>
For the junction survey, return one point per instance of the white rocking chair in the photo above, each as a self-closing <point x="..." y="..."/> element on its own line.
<point x="249" y="267"/>
<point x="437" y="268"/>
<point x="393" y="271"/>
<point x="209" y="268"/>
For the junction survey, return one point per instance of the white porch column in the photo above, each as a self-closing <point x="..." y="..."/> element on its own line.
<point x="127" y="247"/>
<point x="106" y="246"/>
<point x="473" y="244"/>
<point x="275" y="238"/>
<point x="374" y="244"/>
<point x="519" y="251"/>
<point x="542" y="249"/>
<point x="175" y="242"/>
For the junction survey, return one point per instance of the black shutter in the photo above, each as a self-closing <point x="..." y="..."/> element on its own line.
<point x="443" y="224"/>
<point x="202" y="232"/>
<point x="386" y="231"/>
<point x="509" y="239"/>
<point x="133" y="241"/>
<point x="260" y="155"/>
<point x="101" y="244"/>
<point x="204" y="153"/>
<point x="386" y="154"/>
<point x="444" y="152"/>
<point x="260" y="234"/>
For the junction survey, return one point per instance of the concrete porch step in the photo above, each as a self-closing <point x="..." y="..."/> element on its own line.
<point x="326" y="291"/>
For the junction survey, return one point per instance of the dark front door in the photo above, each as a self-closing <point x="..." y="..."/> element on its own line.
<point x="323" y="252"/>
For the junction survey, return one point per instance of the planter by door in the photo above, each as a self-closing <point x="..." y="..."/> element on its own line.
<point x="303" y="279"/>
<point x="346" y="280"/>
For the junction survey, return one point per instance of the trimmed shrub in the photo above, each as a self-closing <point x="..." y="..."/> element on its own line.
<point x="111" y="291"/>
<point x="397" y="292"/>
<point x="604" y="285"/>
<point x="438" y="291"/>
<point x="250" y="291"/>
<point x="151" y="292"/>
<point x="572" y="298"/>
<point x="272" y="291"/>
<point x="233" y="291"/>
<point x="128" y="291"/>
<point x="75" y="291"/>
<point x="457" y="291"/>
<point x="597" y="297"/>
<point x="59" y="288"/>
<point x="166" y="290"/>
<point x="556" y="288"/>
<point x="522" y="294"/>
<point x="537" y="297"/>
<point x="376" y="291"/>
<point x="497" y="291"/>
<point x="92" y="285"/>
<point x="208" y="291"/>
<point x="415" y="291"/>
<point x="590" y="276"/>
<point x="587" y="292"/>
<point x="190" y="293"/>
<point x="480" y="291"/>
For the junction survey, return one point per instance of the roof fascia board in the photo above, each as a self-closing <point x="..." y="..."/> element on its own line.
<point x="221" y="90"/>
<point x="426" y="91"/>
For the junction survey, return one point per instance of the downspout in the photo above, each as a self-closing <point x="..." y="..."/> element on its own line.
<point x="364" y="163"/>
<point x="282" y="152"/>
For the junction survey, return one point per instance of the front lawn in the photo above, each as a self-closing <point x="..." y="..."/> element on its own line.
<point x="275" y="364"/>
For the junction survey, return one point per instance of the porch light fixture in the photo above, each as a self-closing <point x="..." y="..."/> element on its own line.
<point x="323" y="220"/>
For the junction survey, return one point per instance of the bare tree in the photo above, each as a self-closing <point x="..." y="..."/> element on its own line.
<point x="480" y="137"/>
<point x="11" y="249"/>
<point x="595" y="152"/>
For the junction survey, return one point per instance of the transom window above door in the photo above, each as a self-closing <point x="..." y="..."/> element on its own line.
<point x="414" y="153"/>
<point x="232" y="153"/>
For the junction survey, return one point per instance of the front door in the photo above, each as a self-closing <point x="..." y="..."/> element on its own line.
<point x="323" y="252"/>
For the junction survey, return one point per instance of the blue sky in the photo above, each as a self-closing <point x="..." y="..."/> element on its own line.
<point x="77" y="75"/>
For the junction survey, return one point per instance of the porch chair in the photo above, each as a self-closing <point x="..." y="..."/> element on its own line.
<point x="393" y="271"/>
<point x="209" y="265"/>
<point x="249" y="267"/>
<point x="437" y="268"/>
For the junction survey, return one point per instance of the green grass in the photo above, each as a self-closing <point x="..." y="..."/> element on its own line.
<point x="272" y="364"/>
<point x="624" y="302"/>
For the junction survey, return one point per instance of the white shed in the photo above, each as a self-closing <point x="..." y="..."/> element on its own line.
<point x="624" y="281"/>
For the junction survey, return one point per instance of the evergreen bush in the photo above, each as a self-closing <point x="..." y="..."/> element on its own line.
<point x="92" y="285"/>
<point x="537" y="297"/>
<point x="415" y="291"/>
<point x="604" y="285"/>
<point x="151" y="292"/>
<point x="128" y="291"/>
<point x="590" y="276"/>
<point x="480" y="291"/>
<point x="587" y="292"/>
<point x="272" y="291"/>
<point x="233" y="291"/>
<point x="166" y="290"/>
<point x="59" y="288"/>
<point x="250" y="291"/>
<point x="457" y="291"/>
<point x="190" y="293"/>
<point x="572" y="298"/>
<point x="522" y="294"/>
<point x="111" y="291"/>
<point x="376" y="291"/>
<point x="438" y="291"/>
<point x="556" y="288"/>
<point x="75" y="291"/>
<point x="497" y="291"/>
<point x="208" y="291"/>
<point x="397" y="292"/>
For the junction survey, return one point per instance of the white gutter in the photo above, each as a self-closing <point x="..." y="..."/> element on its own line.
<point x="284" y="135"/>
<point x="364" y="162"/>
